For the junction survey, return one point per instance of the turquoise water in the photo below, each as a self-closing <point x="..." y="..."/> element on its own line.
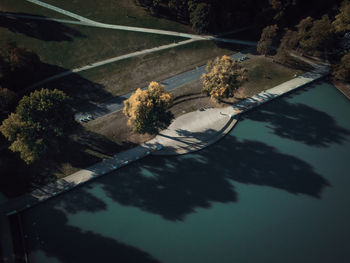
<point x="276" y="189"/>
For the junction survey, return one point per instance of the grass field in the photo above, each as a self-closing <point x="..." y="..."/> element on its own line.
<point x="121" y="12"/>
<point x="264" y="74"/>
<point x="26" y="8"/>
<point x="69" y="46"/>
<point x="128" y="75"/>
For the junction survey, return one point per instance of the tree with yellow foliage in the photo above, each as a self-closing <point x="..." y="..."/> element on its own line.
<point x="147" y="110"/>
<point x="223" y="78"/>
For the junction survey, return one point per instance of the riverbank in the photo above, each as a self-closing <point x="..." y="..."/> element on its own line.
<point x="206" y="128"/>
<point x="343" y="87"/>
<point x="212" y="125"/>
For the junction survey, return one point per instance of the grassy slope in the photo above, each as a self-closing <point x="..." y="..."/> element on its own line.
<point x="122" y="12"/>
<point x="125" y="76"/>
<point x="73" y="46"/>
<point x="264" y="74"/>
<point x="24" y="7"/>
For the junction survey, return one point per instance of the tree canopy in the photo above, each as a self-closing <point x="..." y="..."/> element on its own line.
<point x="267" y="36"/>
<point x="342" y="19"/>
<point x="341" y="71"/>
<point x="314" y="34"/>
<point x="14" y="62"/>
<point x="40" y="120"/>
<point x="223" y="78"/>
<point x="200" y="18"/>
<point x="147" y="110"/>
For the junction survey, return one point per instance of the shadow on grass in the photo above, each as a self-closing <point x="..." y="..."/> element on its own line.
<point x="39" y="29"/>
<point x="298" y="64"/>
<point x="188" y="97"/>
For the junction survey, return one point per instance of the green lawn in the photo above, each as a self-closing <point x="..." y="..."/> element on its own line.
<point x="264" y="74"/>
<point x="122" y="12"/>
<point x="26" y="8"/>
<point x="69" y="46"/>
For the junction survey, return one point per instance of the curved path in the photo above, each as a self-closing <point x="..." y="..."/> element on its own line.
<point x="119" y="27"/>
<point x="85" y="21"/>
<point x="196" y="130"/>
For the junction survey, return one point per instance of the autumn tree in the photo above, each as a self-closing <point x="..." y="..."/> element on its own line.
<point x="266" y="39"/>
<point x="342" y="19"/>
<point x="40" y="120"/>
<point x="314" y="35"/>
<point x="147" y="110"/>
<point x="341" y="71"/>
<point x="223" y="78"/>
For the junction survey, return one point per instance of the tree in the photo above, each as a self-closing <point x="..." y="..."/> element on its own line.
<point x="318" y="36"/>
<point x="147" y="110"/>
<point x="14" y="62"/>
<point x="288" y="42"/>
<point x="342" y="70"/>
<point x="267" y="36"/>
<point x="304" y="27"/>
<point x="314" y="35"/>
<point x="342" y="20"/>
<point x="40" y="120"/>
<point x="6" y="98"/>
<point x="223" y="78"/>
<point x="200" y="18"/>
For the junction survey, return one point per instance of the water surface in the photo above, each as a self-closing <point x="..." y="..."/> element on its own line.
<point x="276" y="189"/>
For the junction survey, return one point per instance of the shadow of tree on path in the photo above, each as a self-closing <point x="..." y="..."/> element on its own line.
<point x="45" y="30"/>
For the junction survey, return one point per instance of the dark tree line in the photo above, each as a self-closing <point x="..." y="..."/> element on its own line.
<point x="218" y="16"/>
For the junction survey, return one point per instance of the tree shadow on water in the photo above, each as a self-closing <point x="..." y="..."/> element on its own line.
<point x="174" y="187"/>
<point x="52" y="235"/>
<point x="45" y="30"/>
<point x="300" y="122"/>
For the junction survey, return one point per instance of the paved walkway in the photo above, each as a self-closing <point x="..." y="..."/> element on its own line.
<point x="117" y="103"/>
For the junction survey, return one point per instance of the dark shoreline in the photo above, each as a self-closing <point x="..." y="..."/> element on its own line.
<point x="343" y="87"/>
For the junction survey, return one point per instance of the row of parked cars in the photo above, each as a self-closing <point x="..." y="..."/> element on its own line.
<point x="86" y="118"/>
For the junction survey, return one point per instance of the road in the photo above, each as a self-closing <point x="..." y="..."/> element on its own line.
<point x="117" y="103"/>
